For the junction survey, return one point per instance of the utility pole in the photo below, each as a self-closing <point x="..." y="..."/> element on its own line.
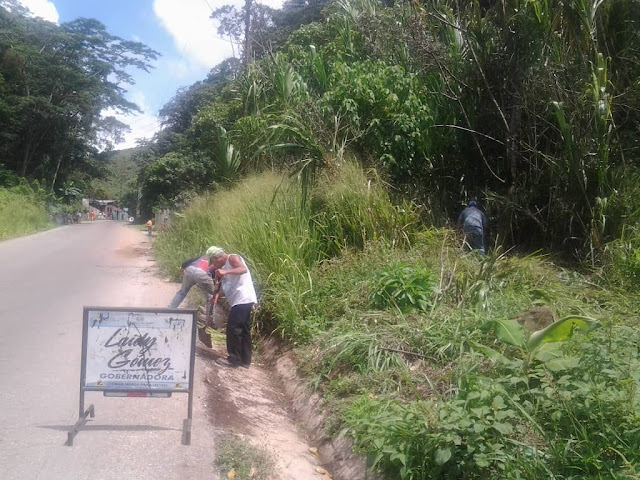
<point x="138" y="203"/>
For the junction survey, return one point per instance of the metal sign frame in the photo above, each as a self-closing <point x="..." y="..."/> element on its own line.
<point x="135" y="351"/>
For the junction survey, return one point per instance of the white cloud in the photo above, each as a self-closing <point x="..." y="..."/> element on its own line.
<point x="42" y="8"/>
<point x="140" y="99"/>
<point x="194" y="33"/>
<point x="143" y="125"/>
<point x="179" y="68"/>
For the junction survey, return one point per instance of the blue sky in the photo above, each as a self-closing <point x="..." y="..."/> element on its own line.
<point x="180" y="30"/>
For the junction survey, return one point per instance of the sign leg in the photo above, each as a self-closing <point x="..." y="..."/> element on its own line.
<point x="186" y="431"/>
<point x="90" y="412"/>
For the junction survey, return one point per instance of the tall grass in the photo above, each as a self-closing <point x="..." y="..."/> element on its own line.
<point x="263" y="220"/>
<point x="349" y="210"/>
<point x="22" y="211"/>
<point x="259" y="219"/>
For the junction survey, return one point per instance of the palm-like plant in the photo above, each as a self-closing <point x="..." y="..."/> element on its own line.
<point x="250" y="91"/>
<point x="226" y="158"/>
<point x="69" y="191"/>
<point x="288" y="85"/>
<point x="294" y="136"/>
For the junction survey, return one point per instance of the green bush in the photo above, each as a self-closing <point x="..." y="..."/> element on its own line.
<point x="404" y="287"/>
<point x="386" y="109"/>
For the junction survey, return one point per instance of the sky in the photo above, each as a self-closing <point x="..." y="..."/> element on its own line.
<point x="180" y="30"/>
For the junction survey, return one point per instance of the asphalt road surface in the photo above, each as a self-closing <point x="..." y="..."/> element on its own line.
<point x="45" y="281"/>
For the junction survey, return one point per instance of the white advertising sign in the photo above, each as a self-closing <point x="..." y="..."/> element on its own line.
<point x="138" y="350"/>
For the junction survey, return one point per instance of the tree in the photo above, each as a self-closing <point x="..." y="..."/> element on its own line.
<point x="261" y="29"/>
<point x="57" y="81"/>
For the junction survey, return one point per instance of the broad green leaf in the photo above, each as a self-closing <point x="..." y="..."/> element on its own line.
<point x="489" y="352"/>
<point x="399" y="456"/>
<point x="560" y="331"/>
<point x="503" y="428"/>
<point x="548" y="351"/>
<point x="563" y="363"/>
<point x="443" y="455"/>
<point x="509" y="331"/>
<point x="481" y="460"/>
<point x="473" y="395"/>
<point x="480" y="411"/>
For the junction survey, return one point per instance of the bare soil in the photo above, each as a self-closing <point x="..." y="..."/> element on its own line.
<point x="270" y="406"/>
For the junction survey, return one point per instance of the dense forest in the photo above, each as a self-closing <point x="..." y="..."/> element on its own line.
<point x="531" y="107"/>
<point x="57" y="83"/>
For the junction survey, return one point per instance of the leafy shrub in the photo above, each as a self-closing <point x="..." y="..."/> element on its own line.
<point x="8" y="178"/>
<point x="404" y="287"/>
<point x="385" y="108"/>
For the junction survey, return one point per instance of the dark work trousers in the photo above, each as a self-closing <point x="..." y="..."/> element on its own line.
<point x="239" y="334"/>
<point x="474" y="241"/>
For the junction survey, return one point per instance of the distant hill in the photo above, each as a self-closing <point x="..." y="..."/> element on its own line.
<point x="121" y="184"/>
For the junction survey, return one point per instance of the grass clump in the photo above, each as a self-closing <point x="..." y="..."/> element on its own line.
<point x="620" y="267"/>
<point x="22" y="211"/>
<point x="248" y="462"/>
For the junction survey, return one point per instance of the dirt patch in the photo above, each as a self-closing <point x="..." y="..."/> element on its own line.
<point x="250" y="403"/>
<point x="223" y="414"/>
<point x="308" y="409"/>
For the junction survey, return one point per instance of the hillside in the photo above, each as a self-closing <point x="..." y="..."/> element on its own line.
<point x="437" y="364"/>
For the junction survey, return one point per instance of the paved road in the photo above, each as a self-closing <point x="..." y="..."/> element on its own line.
<point x="45" y="281"/>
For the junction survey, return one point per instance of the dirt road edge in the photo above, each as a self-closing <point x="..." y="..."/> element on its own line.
<point x="336" y="454"/>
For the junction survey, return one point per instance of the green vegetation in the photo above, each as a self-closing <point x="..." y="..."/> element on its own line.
<point x="530" y="106"/>
<point x="423" y="354"/>
<point x="281" y="241"/>
<point x="426" y="357"/>
<point x="334" y="163"/>
<point x="403" y="286"/>
<point x="22" y="210"/>
<point x="56" y="82"/>
<point x="121" y="180"/>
